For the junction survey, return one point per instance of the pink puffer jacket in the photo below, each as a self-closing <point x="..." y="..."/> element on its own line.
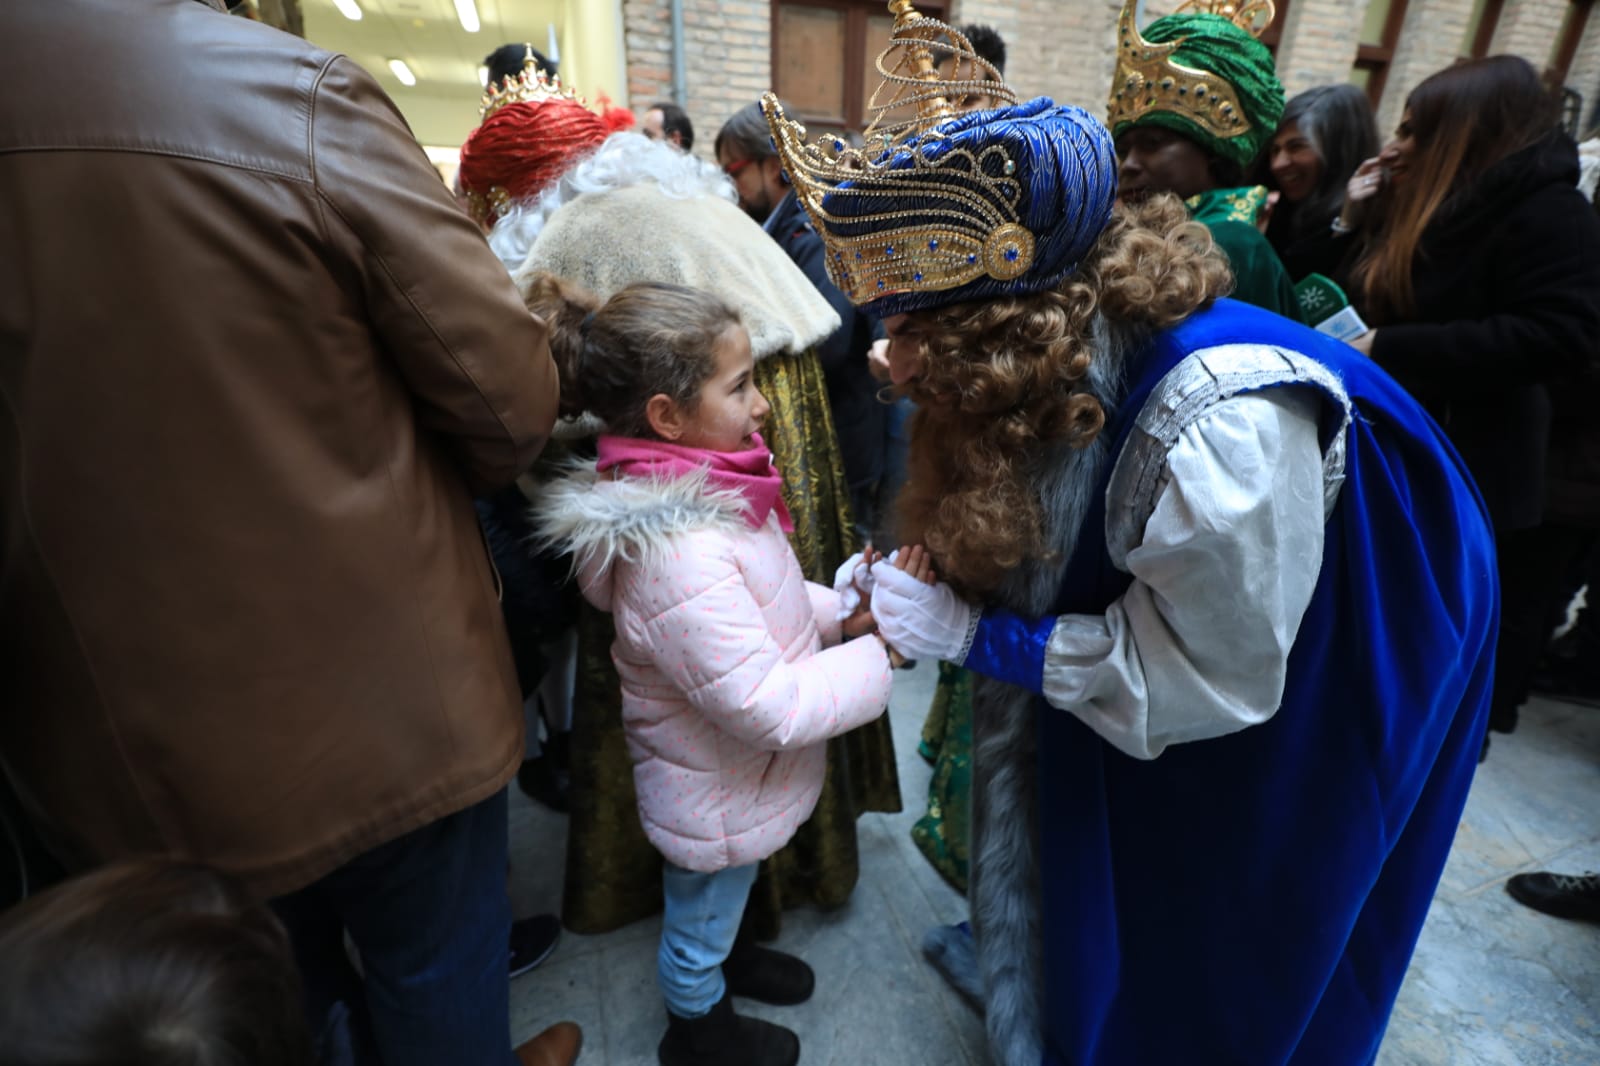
<point x="728" y="697"/>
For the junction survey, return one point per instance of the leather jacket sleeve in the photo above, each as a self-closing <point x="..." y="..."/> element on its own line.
<point x="476" y="360"/>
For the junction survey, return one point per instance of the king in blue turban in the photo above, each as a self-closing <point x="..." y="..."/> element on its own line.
<point x="1227" y="592"/>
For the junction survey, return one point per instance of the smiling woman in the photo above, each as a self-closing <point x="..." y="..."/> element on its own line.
<point x="1324" y="134"/>
<point x="1480" y="270"/>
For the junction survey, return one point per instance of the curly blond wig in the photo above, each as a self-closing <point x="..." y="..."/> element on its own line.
<point x="1002" y="378"/>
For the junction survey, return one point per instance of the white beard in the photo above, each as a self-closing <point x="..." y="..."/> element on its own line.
<point x="1003" y="885"/>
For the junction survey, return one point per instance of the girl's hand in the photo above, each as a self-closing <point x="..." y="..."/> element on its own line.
<point x="918" y="562"/>
<point x="860" y="622"/>
<point x="917" y="616"/>
<point x="896" y="660"/>
<point x="856" y="594"/>
<point x="878" y="361"/>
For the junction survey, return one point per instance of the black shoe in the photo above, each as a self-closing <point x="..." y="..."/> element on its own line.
<point x="542" y="780"/>
<point x="532" y="941"/>
<point x="723" y="1038"/>
<point x="759" y="973"/>
<point x="1561" y="895"/>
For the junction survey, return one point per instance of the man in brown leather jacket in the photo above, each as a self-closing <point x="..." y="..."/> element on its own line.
<point x="254" y="364"/>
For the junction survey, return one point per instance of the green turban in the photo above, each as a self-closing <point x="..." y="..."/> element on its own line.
<point x="1213" y="44"/>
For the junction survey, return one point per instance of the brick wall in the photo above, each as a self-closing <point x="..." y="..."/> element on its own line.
<point x="1319" y="43"/>
<point x="728" y="51"/>
<point x="1584" y="74"/>
<point x="1528" y="28"/>
<point x="1430" y="40"/>
<point x="1066" y="48"/>
<point x="1056" y="49"/>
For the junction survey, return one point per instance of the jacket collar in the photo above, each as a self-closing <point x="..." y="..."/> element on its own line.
<point x="780" y="223"/>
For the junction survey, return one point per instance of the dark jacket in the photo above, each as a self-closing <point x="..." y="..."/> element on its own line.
<point x="1507" y="307"/>
<point x="1312" y="248"/>
<point x="858" y="418"/>
<point x="254" y="363"/>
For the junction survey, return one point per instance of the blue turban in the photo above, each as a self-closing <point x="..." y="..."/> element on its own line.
<point x="1059" y="160"/>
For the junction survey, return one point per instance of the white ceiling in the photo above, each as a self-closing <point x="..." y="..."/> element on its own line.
<point x="442" y="107"/>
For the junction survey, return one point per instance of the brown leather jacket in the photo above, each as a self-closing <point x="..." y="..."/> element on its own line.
<point x="253" y="365"/>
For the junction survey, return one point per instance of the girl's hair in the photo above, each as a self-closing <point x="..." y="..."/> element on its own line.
<point x="1338" y="123"/>
<point x="1003" y="378"/>
<point x="152" y="961"/>
<point x="648" y="338"/>
<point x="1464" y="119"/>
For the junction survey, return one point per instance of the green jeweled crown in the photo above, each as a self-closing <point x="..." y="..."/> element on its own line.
<point x="1148" y="78"/>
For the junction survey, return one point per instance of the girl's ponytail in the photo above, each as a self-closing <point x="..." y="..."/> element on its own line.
<point x="568" y="312"/>
<point x="648" y="338"/>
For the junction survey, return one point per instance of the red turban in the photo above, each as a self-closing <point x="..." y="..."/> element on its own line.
<point x="523" y="146"/>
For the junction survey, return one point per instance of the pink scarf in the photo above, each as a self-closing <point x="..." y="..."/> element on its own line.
<point x="750" y="472"/>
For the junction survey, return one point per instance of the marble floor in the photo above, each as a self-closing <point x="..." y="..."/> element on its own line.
<point x="1492" y="983"/>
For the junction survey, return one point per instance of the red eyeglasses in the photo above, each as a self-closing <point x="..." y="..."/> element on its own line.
<point x="737" y="165"/>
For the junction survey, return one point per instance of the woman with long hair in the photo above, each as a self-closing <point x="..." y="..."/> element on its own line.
<point x="1479" y="269"/>
<point x="1324" y="135"/>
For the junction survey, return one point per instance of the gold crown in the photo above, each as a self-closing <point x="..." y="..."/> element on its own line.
<point x="966" y="225"/>
<point x="1148" y="79"/>
<point x="529" y="85"/>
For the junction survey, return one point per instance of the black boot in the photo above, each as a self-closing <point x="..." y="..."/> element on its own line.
<point x="723" y="1038"/>
<point x="759" y="973"/>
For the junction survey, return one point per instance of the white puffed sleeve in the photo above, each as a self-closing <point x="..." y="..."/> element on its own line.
<point x="1198" y="646"/>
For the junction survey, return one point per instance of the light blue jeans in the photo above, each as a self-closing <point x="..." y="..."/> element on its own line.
<point x="697" y="931"/>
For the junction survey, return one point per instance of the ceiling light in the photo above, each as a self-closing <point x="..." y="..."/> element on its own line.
<point x="483" y="75"/>
<point x="402" y="72"/>
<point x="348" y="9"/>
<point x="467" y="12"/>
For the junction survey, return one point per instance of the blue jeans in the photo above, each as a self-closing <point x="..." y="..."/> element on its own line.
<point x="697" y="931"/>
<point x="429" y="915"/>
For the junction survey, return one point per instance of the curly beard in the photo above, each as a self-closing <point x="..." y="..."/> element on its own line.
<point x="1004" y="380"/>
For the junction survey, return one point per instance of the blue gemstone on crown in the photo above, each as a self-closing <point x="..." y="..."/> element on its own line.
<point x="1011" y="255"/>
<point x="933" y="246"/>
<point x="880" y="284"/>
<point x="888" y="250"/>
<point x="972" y="259"/>
<point x="917" y="276"/>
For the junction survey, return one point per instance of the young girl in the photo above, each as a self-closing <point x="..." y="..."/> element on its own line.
<point x="728" y="694"/>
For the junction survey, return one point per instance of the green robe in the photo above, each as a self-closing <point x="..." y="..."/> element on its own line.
<point x="1258" y="274"/>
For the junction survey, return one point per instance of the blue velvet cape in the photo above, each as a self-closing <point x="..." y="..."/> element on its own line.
<point x="1255" y="898"/>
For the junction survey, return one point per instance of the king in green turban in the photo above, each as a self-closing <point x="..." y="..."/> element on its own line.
<point x="1194" y="100"/>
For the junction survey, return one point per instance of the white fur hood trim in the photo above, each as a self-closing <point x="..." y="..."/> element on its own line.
<point x="629" y="519"/>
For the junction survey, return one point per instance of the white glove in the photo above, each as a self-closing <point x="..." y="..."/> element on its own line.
<point x="922" y="621"/>
<point x="851" y="580"/>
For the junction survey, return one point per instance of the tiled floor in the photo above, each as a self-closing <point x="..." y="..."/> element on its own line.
<point x="1491" y="983"/>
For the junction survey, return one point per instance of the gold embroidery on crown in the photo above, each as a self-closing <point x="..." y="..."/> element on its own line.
<point x="969" y="195"/>
<point x="1148" y="79"/>
<point x="528" y="86"/>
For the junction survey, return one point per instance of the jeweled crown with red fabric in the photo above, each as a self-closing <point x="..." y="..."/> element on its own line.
<point x="533" y="130"/>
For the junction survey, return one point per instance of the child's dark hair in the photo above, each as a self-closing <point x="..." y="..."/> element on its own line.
<point x="648" y="338"/>
<point x="153" y="961"/>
